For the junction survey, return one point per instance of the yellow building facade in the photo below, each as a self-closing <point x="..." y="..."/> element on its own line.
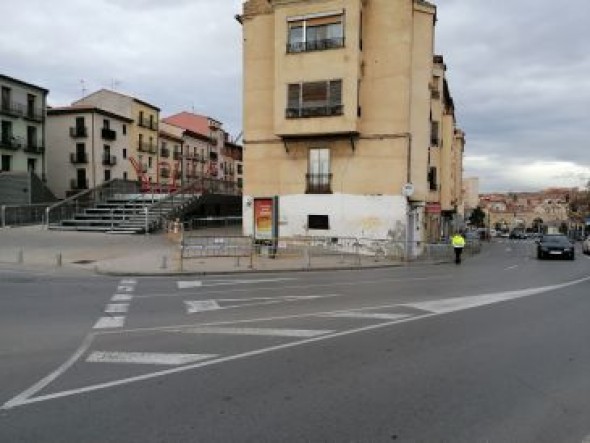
<point x="338" y="111"/>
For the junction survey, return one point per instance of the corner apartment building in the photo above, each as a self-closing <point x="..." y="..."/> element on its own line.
<point x="338" y="117"/>
<point x="143" y="131"/>
<point x="88" y="147"/>
<point x="22" y="125"/>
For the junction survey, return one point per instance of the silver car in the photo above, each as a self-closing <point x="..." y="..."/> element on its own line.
<point x="586" y="245"/>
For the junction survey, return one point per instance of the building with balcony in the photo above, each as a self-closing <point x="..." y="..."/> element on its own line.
<point x="208" y="151"/>
<point x="89" y="146"/>
<point x="142" y="131"/>
<point x="22" y="126"/>
<point x="342" y="122"/>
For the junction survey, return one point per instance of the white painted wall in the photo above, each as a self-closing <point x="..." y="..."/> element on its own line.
<point x="362" y="216"/>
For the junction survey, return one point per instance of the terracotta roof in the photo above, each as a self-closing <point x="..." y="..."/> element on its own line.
<point x="193" y="122"/>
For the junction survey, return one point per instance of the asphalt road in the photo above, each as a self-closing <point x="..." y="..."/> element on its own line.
<point x="494" y="350"/>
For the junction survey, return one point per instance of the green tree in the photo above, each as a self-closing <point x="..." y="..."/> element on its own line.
<point x="477" y="217"/>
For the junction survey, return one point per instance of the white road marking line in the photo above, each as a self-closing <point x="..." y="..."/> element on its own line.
<point x="201" y="306"/>
<point x="41" y="384"/>
<point x="147" y="358"/>
<point x="116" y="308"/>
<point x="210" y="283"/>
<point x="189" y="284"/>
<point x="129" y="281"/>
<point x="365" y="315"/>
<point x="270" y="332"/>
<point x="313" y="286"/>
<point x="125" y="288"/>
<point x="121" y="297"/>
<point x="109" y="322"/>
<point x="511" y="267"/>
<point x="25" y="397"/>
<point x="283" y="298"/>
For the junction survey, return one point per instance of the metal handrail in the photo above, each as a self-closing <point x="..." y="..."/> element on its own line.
<point x="85" y="199"/>
<point x="189" y="191"/>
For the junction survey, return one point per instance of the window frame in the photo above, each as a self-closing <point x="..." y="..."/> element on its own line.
<point x="323" y="19"/>
<point x="330" y="107"/>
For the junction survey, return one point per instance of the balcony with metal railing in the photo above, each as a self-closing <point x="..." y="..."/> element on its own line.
<point x="109" y="160"/>
<point x="324" y="110"/>
<point x="165" y="152"/>
<point x="315" y="45"/>
<point x="78" y="158"/>
<point x="318" y="183"/>
<point x="147" y="147"/>
<point x="165" y="173"/>
<point x="34" y="148"/>
<point x="78" y="185"/>
<point x="147" y="123"/>
<point x="34" y="114"/>
<point x="79" y="131"/>
<point x="10" y="143"/>
<point x="12" y="109"/>
<point x="108" y="134"/>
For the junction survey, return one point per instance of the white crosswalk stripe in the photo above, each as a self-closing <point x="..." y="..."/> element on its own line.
<point x="109" y="322"/>
<point x="146" y="358"/>
<point x="121" y="297"/>
<point x="366" y="315"/>
<point x="272" y="332"/>
<point x="116" y="308"/>
<point x="201" y="306"/>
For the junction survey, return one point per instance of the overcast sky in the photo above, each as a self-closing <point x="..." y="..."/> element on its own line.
<point x="519" y="71"/>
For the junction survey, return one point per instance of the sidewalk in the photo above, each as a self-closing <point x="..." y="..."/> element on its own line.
<point x="33" y="247"/>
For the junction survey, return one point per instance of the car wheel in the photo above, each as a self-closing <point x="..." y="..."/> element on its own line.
<point x="572" y="256"/>
<point x="539" y="255"/>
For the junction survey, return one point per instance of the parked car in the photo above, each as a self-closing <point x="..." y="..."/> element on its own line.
<point x="558" y="246"/>
<point x="517" y="234"/>
<point x="586" y="245"/>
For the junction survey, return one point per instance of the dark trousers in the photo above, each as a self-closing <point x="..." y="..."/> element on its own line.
<point x="458" y="252"/>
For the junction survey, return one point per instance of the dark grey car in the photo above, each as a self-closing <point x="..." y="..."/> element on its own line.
<point x="555" y="246"/>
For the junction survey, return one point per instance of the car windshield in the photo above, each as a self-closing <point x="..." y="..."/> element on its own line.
<point x="556" y="239"/>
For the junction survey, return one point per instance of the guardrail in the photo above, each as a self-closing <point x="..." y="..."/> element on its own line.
<point x="89" y="198"/>
<point x="308" y="251"/>
<point x="19" y="215"/>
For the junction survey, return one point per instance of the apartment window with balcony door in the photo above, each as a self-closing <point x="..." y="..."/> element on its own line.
<point x="106" y="124"/>
<point x="6" y="92"/>
<point x="124" y="153"/>
<point x="319" y="177"/>
<point x="314" y="99"/>
<point x="31" y="136"/>
<point x="434" y="136"/>
<point x="124" y="129"/>
<point x="31" y="105"/>
<point x="316" y="32"/>
<point x="6" y="132"/>
<point x="149" y="162"/>
<point x="80" y="124"/>
<point x="107" y="175"/>
<point x="6" y="163"/>
<point x="31" y="165"/>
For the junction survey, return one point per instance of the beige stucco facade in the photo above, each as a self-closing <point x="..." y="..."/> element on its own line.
<point x="88" y="147"/>
<point x="370" y="123"/>
<point x="143" y="131"/>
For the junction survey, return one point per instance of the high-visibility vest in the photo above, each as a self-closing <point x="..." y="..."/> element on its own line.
<point x="458" y="241"/>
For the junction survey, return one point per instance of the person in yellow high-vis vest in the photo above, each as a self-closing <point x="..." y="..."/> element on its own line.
<point x="458" y="242"/>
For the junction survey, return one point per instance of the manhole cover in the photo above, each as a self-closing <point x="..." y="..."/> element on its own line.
<point x="83" y="262"/>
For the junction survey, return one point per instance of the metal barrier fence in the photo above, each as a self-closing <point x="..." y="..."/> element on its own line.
<point x="320" y="250"/>
<point x="224" y="223"/>
<point x="19" y="215"/>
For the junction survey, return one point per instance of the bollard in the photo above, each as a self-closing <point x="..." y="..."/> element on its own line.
<point x="307" y="258"/>
<point x="164" y="264"/>
<point x="237" y="261"/>
<point x="20" y="257"/>
<point x="58" y="259"/>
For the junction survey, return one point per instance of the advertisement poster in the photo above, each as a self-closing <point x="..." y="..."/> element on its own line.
<point x="264" y="218"/>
